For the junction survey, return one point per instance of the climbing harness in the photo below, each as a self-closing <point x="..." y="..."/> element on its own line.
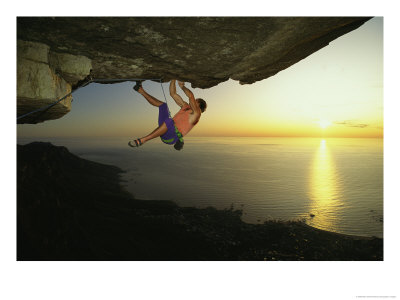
<point x="178" y="134"/>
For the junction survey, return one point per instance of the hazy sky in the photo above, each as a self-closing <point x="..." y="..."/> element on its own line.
<point x="337" y="91"/>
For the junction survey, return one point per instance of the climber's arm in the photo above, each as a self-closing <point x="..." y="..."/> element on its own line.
<point x="172" y="91"/>
<point x="192" y="101"/>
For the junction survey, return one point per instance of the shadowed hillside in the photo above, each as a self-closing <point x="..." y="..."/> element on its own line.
<point x="69" y="208"/>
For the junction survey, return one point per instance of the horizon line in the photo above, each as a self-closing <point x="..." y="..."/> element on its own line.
<point x="208" y="136"/>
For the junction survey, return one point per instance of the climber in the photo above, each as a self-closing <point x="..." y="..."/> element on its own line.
<point x="172" y="131"/>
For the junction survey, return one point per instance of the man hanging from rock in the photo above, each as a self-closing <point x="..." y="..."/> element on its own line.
<point x="172" y="130"/>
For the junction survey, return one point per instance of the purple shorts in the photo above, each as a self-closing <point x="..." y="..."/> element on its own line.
<point x="170" y="136"/>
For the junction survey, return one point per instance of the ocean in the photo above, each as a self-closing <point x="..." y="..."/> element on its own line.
<point x="331" y="184"/>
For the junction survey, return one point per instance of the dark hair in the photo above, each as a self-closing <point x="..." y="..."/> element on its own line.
<point x="202" y="104"/>
<point x="178" y="145"/>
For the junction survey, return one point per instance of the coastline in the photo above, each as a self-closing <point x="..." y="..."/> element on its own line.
<point x="70" y="208"/>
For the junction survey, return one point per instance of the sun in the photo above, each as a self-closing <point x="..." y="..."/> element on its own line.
<point x="324" y="123"/>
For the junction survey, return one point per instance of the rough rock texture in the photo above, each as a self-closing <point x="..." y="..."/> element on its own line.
<point x="203" y="51"/>
<point x="44" y="76"/>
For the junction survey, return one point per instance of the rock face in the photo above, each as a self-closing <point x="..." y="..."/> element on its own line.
<point x="56" y="54"/>
<point x="44" y="76"/>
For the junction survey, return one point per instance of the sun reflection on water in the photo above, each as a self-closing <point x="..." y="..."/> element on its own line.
<point x="324" y="190"/>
